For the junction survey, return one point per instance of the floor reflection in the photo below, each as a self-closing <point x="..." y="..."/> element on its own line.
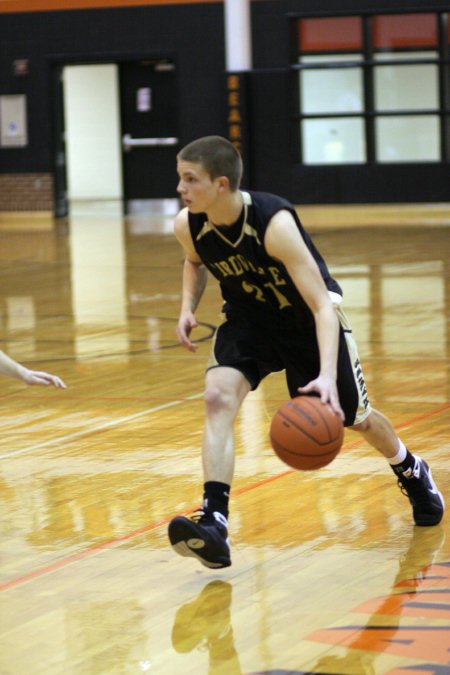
<point x="420" y="589"/>
<point x="98" y="282"/>
<point x="205" y="624"/>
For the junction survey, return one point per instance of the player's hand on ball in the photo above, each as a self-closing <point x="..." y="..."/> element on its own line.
<point x="327" y="390"/>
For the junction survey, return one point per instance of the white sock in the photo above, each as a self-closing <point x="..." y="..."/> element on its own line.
<point x="400" y="456"/>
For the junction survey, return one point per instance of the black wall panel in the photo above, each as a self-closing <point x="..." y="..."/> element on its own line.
<point x="366" y="184"/>
<point x="270" y="141"/>
<point x="191" y="34"/>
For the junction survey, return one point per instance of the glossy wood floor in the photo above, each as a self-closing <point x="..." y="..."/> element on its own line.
<point x="329" y="574"/>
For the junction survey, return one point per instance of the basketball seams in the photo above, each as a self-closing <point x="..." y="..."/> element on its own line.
<point x="311" y="402"/>
<point x="281" y="448"/>
<point x="300" y="429"/>
<point x="312" y="437"/>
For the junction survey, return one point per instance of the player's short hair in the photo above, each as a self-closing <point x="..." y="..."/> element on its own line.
<point x="218" y="157"/>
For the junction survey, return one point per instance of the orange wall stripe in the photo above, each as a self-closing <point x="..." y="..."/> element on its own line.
<point x="16" y="6"/>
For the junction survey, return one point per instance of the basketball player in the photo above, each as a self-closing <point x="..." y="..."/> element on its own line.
<point x="13" y="369"/>
<point x="282" y="311"/>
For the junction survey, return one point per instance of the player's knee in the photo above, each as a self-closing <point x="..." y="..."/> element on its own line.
<point x="218" y="398"/>
<point x="363" y="426"/>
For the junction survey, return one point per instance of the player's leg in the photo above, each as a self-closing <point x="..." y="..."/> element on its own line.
<point x="205" y="535"/>
<point x="235" y="367"/>
<point x="379" y="433"/>
<point x="225" y="391"/>
<point x="413" y="473"/>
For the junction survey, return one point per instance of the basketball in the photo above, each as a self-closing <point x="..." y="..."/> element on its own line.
<point x="305" y="433"/>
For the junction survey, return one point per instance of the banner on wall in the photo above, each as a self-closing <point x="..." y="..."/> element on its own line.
<point x="237" y="117"/>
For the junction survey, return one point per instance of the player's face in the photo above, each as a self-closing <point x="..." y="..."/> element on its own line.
<point x="197" y="190"/>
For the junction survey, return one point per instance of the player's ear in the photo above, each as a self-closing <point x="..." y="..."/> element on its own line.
<point x="224" y="183"/>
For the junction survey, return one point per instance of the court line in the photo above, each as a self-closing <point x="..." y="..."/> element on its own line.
<point x="408" y="423"/>
<point x="99" y="427"/>
<point x="99" y="548"/>
<point x="149" y="411"/>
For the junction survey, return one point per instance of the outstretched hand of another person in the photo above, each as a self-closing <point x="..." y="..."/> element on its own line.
<point x="12" y="368"/>
<point x="327" y="390"/>
<point x="40" y="377"/>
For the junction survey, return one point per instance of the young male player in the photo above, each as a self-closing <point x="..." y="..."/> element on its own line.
<point x="282" y="311"/>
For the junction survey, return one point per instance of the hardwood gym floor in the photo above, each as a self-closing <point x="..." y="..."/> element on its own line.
<point x="329" y="573"/>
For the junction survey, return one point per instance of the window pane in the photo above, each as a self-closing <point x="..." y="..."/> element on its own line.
<point x="406" y="87"/>
<point x="330" y="34"/>
<point x="331" y="90"/>
<point x="333" y="141"/>
<point x="405" y="30"/>
<point x="403" y="139"/>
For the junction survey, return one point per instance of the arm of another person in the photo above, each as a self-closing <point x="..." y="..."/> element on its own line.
<point x="284" y="242"/>
<point x="195" y="276"/>
<point x="11" y="368"/>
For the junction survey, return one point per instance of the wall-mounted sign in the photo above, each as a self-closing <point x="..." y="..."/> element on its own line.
<point x="144" y="99"/>
<point x="13" y="121"/>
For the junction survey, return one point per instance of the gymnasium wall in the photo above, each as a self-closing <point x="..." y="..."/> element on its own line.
<point x="192" y="34"/>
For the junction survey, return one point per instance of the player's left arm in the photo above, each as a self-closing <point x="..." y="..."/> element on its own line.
<point x="284" y="242"/>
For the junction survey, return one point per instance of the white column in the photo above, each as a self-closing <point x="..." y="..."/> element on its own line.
<point x="238" y="44"/>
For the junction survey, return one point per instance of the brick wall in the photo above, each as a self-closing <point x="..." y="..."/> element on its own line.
<point x="26" y="192"/>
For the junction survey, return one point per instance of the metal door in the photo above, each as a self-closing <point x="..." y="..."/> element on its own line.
<point x="149" y="114"/>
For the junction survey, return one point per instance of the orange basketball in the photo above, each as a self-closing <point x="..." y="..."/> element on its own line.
<point x="305" y="433"/>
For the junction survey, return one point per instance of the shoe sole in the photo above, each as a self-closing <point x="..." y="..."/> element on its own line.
<point x="178" y="538"/>
<point x="183" y="549"/>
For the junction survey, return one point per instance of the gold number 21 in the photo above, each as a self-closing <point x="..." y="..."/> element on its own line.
<point x="259" y="293"/>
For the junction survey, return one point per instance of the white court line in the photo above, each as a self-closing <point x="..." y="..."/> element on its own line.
<point x="85" y="432"/>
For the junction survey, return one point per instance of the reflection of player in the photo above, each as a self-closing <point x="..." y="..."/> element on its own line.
<point x="329" y="517"/>
<point x="13" y="369"/>
<point x="205" y="623"/>
<point x="68" y="513"/>
<point x="374" y="637"/>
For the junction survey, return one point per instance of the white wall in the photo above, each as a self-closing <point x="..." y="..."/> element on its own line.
<point x="92" y="121"/>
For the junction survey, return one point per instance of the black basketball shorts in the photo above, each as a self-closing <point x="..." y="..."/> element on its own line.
<point x="240" y="343"/>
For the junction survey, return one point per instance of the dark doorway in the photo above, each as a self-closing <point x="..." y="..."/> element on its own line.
<point x="149" y="117"/>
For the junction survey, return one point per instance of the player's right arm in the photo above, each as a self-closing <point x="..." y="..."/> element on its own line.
<point x="195" y="276"/>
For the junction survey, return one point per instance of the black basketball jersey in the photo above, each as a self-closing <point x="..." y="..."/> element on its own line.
<point x="251" y="281"/>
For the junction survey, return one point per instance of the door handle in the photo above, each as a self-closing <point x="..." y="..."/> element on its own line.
<point x="129" y="143"/>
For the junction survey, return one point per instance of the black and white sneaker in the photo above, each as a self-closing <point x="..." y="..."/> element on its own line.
<point x="426" y="500"/>
<point x="203" y="536"/>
